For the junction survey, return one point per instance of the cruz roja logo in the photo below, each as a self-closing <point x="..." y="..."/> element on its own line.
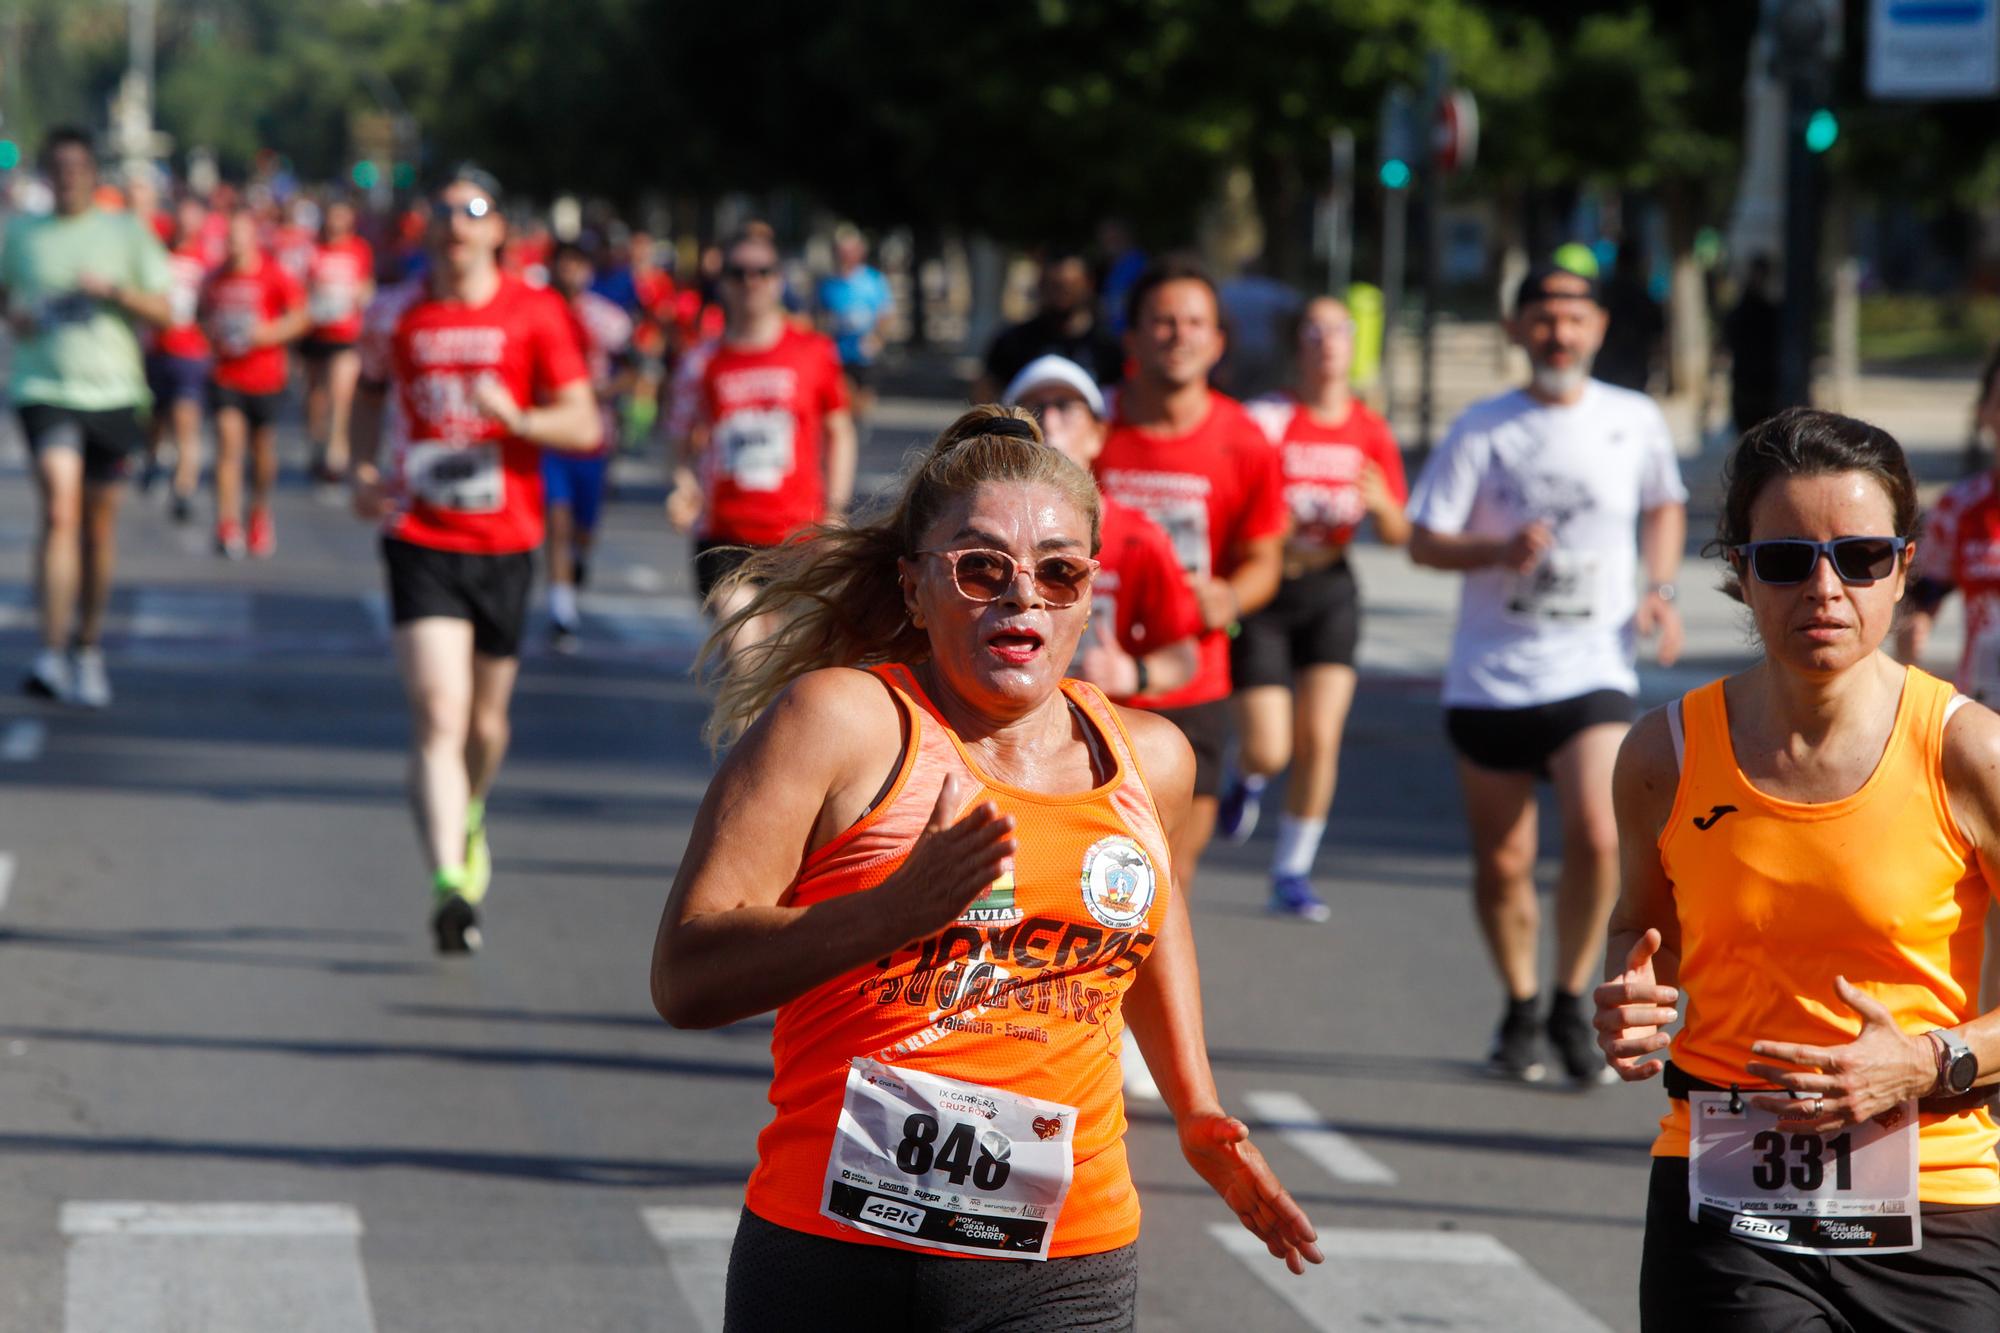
<point x="1118" y="882"/>
<point x="1714" y="816"/>
<point x="994" y="907"/>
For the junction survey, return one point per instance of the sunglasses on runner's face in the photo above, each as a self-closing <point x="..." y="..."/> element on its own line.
<point x="987" y="576"/>
<point x="444" y="210"/>
<point x="743" y="273"/>
<point x="1790" y="561"/>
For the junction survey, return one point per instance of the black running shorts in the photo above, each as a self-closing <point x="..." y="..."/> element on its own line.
<point x="105" y="439"/>
<point x="1524" y="740"/>
<point x="1315" y="620"/>
<point x="491" y="591"/>
<point x="258" y="409"/>
<point x="1206" y="727"/>
<point x="785" y="1279"/>
<point x="1696" y="1276"/>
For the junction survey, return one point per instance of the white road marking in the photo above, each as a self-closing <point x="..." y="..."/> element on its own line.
<point x="7" y="864"/>
<point x="1139" y="1084"/>
<point x="23" y="740"/>
<point x="696" y="1242"/>
<point x="218" y="1267"/>
<point x="1298" y="1124"/>
<point x="644" y="578"/>
<point x="1465" y="1281"/>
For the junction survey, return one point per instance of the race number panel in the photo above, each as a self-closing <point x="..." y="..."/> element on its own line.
<point x="330" y="302"/>
<point x="1562" y="588"/>
<point x="464" y="478"/>
<point x="1850" y="1192"/>
<point x="756" y="447"/>
<point x="946" y="1165"/>
<point x="1186" y="524"/>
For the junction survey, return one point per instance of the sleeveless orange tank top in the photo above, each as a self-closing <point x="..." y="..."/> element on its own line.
<point x="1023" y="993"/>
<point x="1776" y="898"/>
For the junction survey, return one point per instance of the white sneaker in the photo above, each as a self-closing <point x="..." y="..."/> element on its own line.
<point x="49" y="678"/>
<point x="91" y="684"/>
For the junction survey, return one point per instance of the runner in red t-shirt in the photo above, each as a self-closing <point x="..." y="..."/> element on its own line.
<point x="340" y="282"/>
<point x="177" y="359"/>
<point x="773" y="448"/>
<point x="1959" y="551"/>
<point x="485" y="374"/>
<point x="1340" y="466"/>
<point x="1140" y="637"/>
<point x="252" y="307"/>
<point x="1196" y="462"/>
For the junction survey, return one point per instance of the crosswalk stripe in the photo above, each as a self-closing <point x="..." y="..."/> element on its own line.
<point x="1465" y="1281"/>
<point x="7" y="864"/>
<point x="23" y="740"/>
<point x="219" y="1267"/>
<point x="1299" y="1125"/>
<point x="696" y="1242"/>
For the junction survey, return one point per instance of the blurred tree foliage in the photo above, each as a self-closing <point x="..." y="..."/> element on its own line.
<point x="1025" y="120"/>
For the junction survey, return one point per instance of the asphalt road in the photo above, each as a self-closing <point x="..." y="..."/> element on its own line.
<point x="237" y="1092"/>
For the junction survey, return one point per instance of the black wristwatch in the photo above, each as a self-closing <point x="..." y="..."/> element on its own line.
<point x="1142" y="673"/>
<point x="1957" y="1066"/>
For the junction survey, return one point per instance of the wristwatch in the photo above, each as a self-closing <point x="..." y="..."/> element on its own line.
<point x="1957" y="1066"/>
<point x="1666" y="592"/>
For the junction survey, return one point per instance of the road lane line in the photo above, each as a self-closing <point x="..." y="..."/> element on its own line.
<point x="219" y="1267"/>
<point x="1298" y="1124"/>
<point x="7" y="864"/>
<point x="696" y="1242"/>
<point x="1465" y="1281"/>
<point x="23" y="740"/>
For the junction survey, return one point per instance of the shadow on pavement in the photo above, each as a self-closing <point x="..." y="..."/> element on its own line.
<point x="175" y="946"/>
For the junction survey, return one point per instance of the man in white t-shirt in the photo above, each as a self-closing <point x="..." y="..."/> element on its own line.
<point x="1535" y="496"/>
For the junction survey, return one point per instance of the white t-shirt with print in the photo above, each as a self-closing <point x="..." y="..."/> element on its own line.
<point x="1589" y="469"/>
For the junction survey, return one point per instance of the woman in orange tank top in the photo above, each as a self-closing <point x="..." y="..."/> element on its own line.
<point x="947" y="870"/>
<point x="1807" y="848"/>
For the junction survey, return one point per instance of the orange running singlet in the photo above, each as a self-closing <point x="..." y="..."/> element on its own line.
<point x="1776" y="898"/>
<point x="1021" y="997"/>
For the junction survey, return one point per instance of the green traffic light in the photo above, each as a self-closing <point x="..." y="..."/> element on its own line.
<point x="366" y="174"/>
<point x="1822" y="128"/>
<point x="10" y="155"/>
<point x="1395" y="173"/>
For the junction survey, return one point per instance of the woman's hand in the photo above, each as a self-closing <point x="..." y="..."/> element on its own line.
<point x="950" y="864"/>
<point x="1110" y="668"/>
<point x="1218" y="1147"/>
<point x="1845" y="1085"/>
<point x="1632" y="1007"/>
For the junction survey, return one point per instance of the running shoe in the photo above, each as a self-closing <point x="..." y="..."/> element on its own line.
<point x="49" y="677"/>
<point x="229" y="539"/>
<point x="183" y="510"/>
<point x="90" y="683"/>
<point x="263" y="537"/>
<point x="1516" y="1051"/>
<point x="564" y="639"/>
<point x="1292" y="895"/>
<point x="455" y="926"/>
<point x="1236" y="814"/>
<point x="1575" y="1043"/>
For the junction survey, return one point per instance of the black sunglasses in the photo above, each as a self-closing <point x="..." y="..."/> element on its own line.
<point x="444" y="210"/>
<point x="1789" y="561"/>
<point x="739" y="273"/>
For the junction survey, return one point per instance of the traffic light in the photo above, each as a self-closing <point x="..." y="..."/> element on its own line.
<point x="1822" y="128"/>
<point x="10" y="154"/>
<point x="366" y="175"/>
<point x="1395" y="173"/>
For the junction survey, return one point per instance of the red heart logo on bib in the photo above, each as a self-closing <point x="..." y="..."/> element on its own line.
<point x="1047" y="1127"/>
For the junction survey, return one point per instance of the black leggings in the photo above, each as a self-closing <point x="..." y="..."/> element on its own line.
<point x="781" y="1280"/>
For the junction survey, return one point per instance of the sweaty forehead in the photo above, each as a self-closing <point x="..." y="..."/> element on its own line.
<point x="1017" y="513"/>
<point x="1842" y="503"/>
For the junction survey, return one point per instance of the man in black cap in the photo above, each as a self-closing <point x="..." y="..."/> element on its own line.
<point x="1535" y="495"/>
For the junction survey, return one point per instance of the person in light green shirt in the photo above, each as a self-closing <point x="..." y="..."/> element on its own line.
<point x="74" y="286"/>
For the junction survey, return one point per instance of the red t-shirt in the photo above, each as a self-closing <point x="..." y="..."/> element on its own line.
<point x="234" y="304"/>
<point x="462" y="483"/>
<point x="336" y="277"/>
<point x="187" y="273"/>
<point x="1212" y="489"/>
<point x="1140" y="590"/>
<point x="294" y="246"/>
<point x="1960" y="548"/>
<point x="763" y="470"/>
<point x="1322" y="467"/>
